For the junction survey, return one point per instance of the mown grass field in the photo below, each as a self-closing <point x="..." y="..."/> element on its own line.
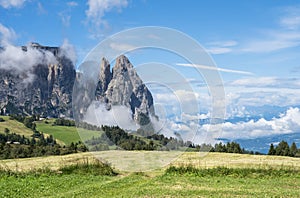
<point x="155" y="183"/>
<point x="66" y="134"/>
<point x="135" y="185"/>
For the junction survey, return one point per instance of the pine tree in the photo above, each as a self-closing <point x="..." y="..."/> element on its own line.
<point x="283" y="149"/>
<point x="293" y="149"/>
<point x="272" y="150"/>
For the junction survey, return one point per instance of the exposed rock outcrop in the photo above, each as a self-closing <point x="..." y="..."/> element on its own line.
<point x="124" y="87"/>
<point x="48" y="93"/>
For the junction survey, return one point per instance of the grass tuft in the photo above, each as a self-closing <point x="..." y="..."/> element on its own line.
<point x="94" y="167"/>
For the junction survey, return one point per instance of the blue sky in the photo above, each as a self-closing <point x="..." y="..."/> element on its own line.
<point x="259" y="37"/>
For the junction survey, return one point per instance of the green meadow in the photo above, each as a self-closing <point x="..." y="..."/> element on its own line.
<point x="189" y="175"/>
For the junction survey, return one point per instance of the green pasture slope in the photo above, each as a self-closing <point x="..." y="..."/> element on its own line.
<point x="178" y="181"/>
<point x="66" y="134"/>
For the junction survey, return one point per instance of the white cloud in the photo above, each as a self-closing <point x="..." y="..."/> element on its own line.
<point x="221" y="47"/>
<point x="118" y="116"/>
<point x="291" y="20"/>
<point x="15" y="58"/>
<point x="69" y="51"/>
<point x="287" y="35"/>
<point x="11" y="3"/>
<point x="198" y="116"/>
<point x="7" y="35"/>
<point x="289" y="122"/>
<point x="268" y="82"/>
<point x="261" y="91"/>
<point x="274" y="41"/>
<point x="240" y="95"/>
<point x="214" y="68"/>
<point x="97" y="10"/>
<point x="22" y="62"/>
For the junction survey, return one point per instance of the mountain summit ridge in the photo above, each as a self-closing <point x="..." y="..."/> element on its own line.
<point x="124" y="87"/>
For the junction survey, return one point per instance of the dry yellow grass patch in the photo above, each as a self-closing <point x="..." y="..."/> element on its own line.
<point x="207" y="160"/>
<point x="15" y="127"/>
<point x="135" y="161"/>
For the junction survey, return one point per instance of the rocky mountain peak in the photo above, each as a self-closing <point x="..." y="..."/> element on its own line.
<point x="105" y="77"/>
<point x="124" y="87"/>
<point x="50" y="90"/>
<point x="122" y="64"/>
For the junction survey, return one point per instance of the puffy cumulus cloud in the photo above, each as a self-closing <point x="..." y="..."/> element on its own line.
<point x="189" y="127"/>
<point x="189" y="117"/>
<point x="97" y="10"/>
<point x="11" y="3"/>
<point x="289" y="122"/>
<point x="68" y="50"/>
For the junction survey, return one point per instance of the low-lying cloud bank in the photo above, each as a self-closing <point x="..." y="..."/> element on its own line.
<point x="14" y="58"/>
<point x="117" y="116"/>
<point x="286" y="123"/>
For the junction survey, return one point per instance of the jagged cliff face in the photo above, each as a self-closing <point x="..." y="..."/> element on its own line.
<point x="48" y="93"/>
<point x="47" y="89"/>
<point x="124" y="87"/>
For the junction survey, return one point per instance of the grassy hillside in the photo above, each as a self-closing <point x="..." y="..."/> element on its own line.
<point x="14" y="127"/>
<point x="263" y="181"/>
<point x="66" y="134"/>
